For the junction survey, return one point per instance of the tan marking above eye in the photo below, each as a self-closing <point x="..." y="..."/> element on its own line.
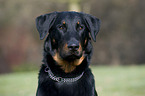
<point x="78" y="22"/>
<point x="63" y="22"/>
<point x="53" y="40"/>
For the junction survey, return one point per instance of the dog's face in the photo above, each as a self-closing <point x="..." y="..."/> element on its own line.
<point x="68" y="36"/>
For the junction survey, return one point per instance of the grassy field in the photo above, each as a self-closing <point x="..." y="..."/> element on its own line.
<point x="110" y="81"/>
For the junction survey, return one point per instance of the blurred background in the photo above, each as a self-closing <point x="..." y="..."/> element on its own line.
<point x="120" y="41"/>
<point x="118" y="50"/>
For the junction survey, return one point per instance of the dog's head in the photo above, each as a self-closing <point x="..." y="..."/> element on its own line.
<point x="68" y="39"/>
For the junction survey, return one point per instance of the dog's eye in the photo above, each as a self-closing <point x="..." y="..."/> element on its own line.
<point x="80" y="27"/>
<point x="62" y="27"/>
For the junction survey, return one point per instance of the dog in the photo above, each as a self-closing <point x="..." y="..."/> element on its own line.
<point x="67" y="52"/>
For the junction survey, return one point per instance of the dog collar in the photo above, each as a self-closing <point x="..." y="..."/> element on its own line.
<point x="60" y="79"/>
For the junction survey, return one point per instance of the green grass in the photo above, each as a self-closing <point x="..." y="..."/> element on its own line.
<point x="110" y="81"/>
<point x="18" y="84"/>
<point x="120" y="81"/>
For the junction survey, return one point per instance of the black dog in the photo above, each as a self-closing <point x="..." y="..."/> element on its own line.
<point x="67" y="53"/>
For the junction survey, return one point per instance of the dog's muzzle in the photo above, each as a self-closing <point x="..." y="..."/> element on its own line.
<point x="73" y="45"/>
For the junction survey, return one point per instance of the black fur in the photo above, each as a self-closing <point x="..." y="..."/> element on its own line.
<point x="64" y="29"/>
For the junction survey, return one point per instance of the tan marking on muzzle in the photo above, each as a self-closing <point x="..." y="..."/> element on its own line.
<point x="66" y="65"/>
<point x="79" y="61"/>
<point x="85" y="41"/>
<point x="80" y="48"/>
<point x="65" y="46"/>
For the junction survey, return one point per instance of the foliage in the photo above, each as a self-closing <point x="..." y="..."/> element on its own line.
<point x="120" y="40"/>
<point x="122" y="31"/>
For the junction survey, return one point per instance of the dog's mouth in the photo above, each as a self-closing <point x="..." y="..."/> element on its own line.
<point x="72" y="55"/>
<point x="69" y="62"/>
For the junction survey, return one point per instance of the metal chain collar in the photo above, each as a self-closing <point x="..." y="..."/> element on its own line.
<point x="60" y="79"/>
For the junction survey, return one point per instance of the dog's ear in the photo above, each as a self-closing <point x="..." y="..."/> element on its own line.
<point x="47" y="44"/>
<point x="44" y="23"/>
<point x="93" y="25"/>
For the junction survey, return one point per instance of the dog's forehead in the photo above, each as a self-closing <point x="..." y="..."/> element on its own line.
<point x="69" y="17"/>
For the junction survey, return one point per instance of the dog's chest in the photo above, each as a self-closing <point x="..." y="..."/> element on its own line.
<point x="72" y="89"/>
<point x="66" y="87"/>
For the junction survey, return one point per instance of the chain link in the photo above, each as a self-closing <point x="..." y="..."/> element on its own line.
<point x="60" y="79"/>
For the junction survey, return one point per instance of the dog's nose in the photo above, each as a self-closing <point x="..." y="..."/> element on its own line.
<point x="73" y="47"/>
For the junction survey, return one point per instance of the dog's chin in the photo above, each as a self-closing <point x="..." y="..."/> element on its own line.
<point x="68" y="61"/>
<point x="71" y="56"/>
